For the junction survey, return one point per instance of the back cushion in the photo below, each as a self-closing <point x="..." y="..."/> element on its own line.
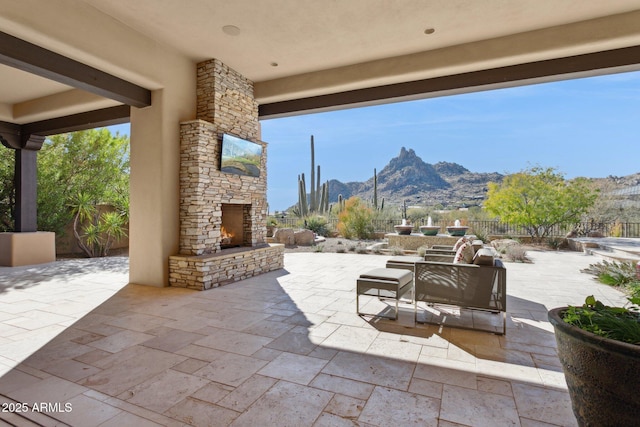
<point x="464" y="254"/>
<point x="459" y="243"/>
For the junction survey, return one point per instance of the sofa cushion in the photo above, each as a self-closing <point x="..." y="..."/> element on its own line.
<point x="460" y="242"/>
<point x="464" y="254"/>
<point x="484" y="256"/>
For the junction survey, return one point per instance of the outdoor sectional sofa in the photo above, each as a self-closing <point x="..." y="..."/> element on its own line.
<point x="477" y="281"/>
<point x="469" y="286"/>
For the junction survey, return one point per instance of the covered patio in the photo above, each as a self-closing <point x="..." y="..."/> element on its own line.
<point x="78" y="64"/>
<point x="108" y="343"/>
<point x="284" y="348"/>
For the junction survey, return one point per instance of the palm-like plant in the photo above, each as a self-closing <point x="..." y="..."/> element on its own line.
<point x="95" y="233"/>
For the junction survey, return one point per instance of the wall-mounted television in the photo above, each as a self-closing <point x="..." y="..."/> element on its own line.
<point x="240" y="156"/>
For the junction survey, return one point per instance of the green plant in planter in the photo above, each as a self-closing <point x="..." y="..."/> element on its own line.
<point x="618" y="323"/>
<point x="599" y="349"/>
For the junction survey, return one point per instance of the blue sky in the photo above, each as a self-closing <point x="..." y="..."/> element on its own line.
<point x="586" y="127"/>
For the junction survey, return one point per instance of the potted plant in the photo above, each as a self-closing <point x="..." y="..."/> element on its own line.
<point x="599" y="348"/>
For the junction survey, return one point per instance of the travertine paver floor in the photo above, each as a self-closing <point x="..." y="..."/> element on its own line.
<point x="282" y="349"/>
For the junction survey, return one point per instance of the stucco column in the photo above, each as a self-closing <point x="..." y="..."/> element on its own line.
<point x="154" y="185"/>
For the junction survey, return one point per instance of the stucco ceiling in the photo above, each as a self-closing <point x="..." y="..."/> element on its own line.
<point x="298" y="48"/>
<point x="302" y="36"/>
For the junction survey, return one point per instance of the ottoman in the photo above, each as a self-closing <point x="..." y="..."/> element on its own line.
<point x="388" y="283"/>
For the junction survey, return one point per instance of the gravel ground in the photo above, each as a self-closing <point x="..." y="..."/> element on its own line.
<point x="334" y="244"/>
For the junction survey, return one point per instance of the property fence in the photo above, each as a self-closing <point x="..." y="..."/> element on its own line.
<point x="624" y="229"/>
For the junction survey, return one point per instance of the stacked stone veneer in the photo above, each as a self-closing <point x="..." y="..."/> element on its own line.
<point x="210" y="271"/>
<point x="225" y="105"/>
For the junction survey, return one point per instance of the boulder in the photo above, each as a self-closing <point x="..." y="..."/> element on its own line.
<point x="304" y="237"/>
<point x="502" y="244"/>
<point x="284" y="235"/>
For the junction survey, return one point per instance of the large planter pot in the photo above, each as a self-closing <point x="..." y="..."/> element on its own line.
<point x="603" y="375"/>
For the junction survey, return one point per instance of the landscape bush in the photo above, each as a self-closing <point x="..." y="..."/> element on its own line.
<point x="317" y="224"/>
<point x="355" y="220"/>
<point x="396" y="251"/>
<point x="516" y="253"/>
<point x="614" y="273"/>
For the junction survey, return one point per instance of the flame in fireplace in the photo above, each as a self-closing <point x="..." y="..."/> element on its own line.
<point x="226" y="236"/>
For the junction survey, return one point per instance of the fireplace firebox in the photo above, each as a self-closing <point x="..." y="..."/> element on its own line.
<point x="235" y="227"/>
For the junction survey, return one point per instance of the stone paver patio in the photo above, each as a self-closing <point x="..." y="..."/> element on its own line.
<point x="281" y="349"/>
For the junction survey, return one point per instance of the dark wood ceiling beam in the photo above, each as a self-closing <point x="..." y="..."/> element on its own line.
<point x="92" y="119"/>
<point x="10" y="135"/>
<point x="618" y="60"/>
<point x="31" y="135"/>
<point x="34" y="59"/>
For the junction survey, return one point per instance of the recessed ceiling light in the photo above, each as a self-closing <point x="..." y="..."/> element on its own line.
<point x="231" y="30"/>
<point x="429" y="31"/>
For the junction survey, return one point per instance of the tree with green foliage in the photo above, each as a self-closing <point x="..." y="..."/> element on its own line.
<point x="90" y="166"/>
<point x="7" y="189"/>
<point x="355" y="220"/>
<point x="93" y="162"/>
<point x="539" y="199"/>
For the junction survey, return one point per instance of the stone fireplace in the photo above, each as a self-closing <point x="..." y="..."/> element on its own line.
<point x="223" y="216"/>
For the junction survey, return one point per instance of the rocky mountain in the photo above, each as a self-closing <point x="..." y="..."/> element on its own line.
<point x="408" y="177"/>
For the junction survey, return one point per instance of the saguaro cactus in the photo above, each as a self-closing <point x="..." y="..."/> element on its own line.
<point x="318" y="196"/>
<point x="375" y="192"/>
<point x="312" y="201"/>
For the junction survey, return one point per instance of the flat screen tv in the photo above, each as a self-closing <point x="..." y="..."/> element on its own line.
<point x="240" y="157"/>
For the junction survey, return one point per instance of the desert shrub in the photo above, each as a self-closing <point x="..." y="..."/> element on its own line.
<point x="422" y="250"/>
<point x="616" y="230"/>
<point x="554" y="242"/>
<point x="516" y="253"/>
<point x="376" y="250"/>
<point x="634" y="289"/>
<point x="355" y="220"/>
<point x="361" y="250"/>
<point x="317" y="224"/>
<point x="352" y="248"/>
<point x="319" y="248"/>
<point x="481" y="233"/>
<point x="615" y="273"/>
<point x="396" y="251"/>
<point x="340" y="250"/>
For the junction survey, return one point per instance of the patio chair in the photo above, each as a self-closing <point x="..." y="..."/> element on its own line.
<point x="468" y="286"/>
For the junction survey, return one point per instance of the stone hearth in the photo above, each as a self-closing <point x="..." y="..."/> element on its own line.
<point x="223" y="216"/>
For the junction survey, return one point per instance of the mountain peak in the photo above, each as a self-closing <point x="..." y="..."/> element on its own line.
<point x="408" y="173"/>
<point x="407" y="153"/>
<point x="408" y="177"/>
<point x="406" y="158"/>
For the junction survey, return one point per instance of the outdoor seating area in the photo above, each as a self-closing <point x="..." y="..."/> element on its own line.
<point x="283" y="348"/>
<point x="465" y="276"/>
